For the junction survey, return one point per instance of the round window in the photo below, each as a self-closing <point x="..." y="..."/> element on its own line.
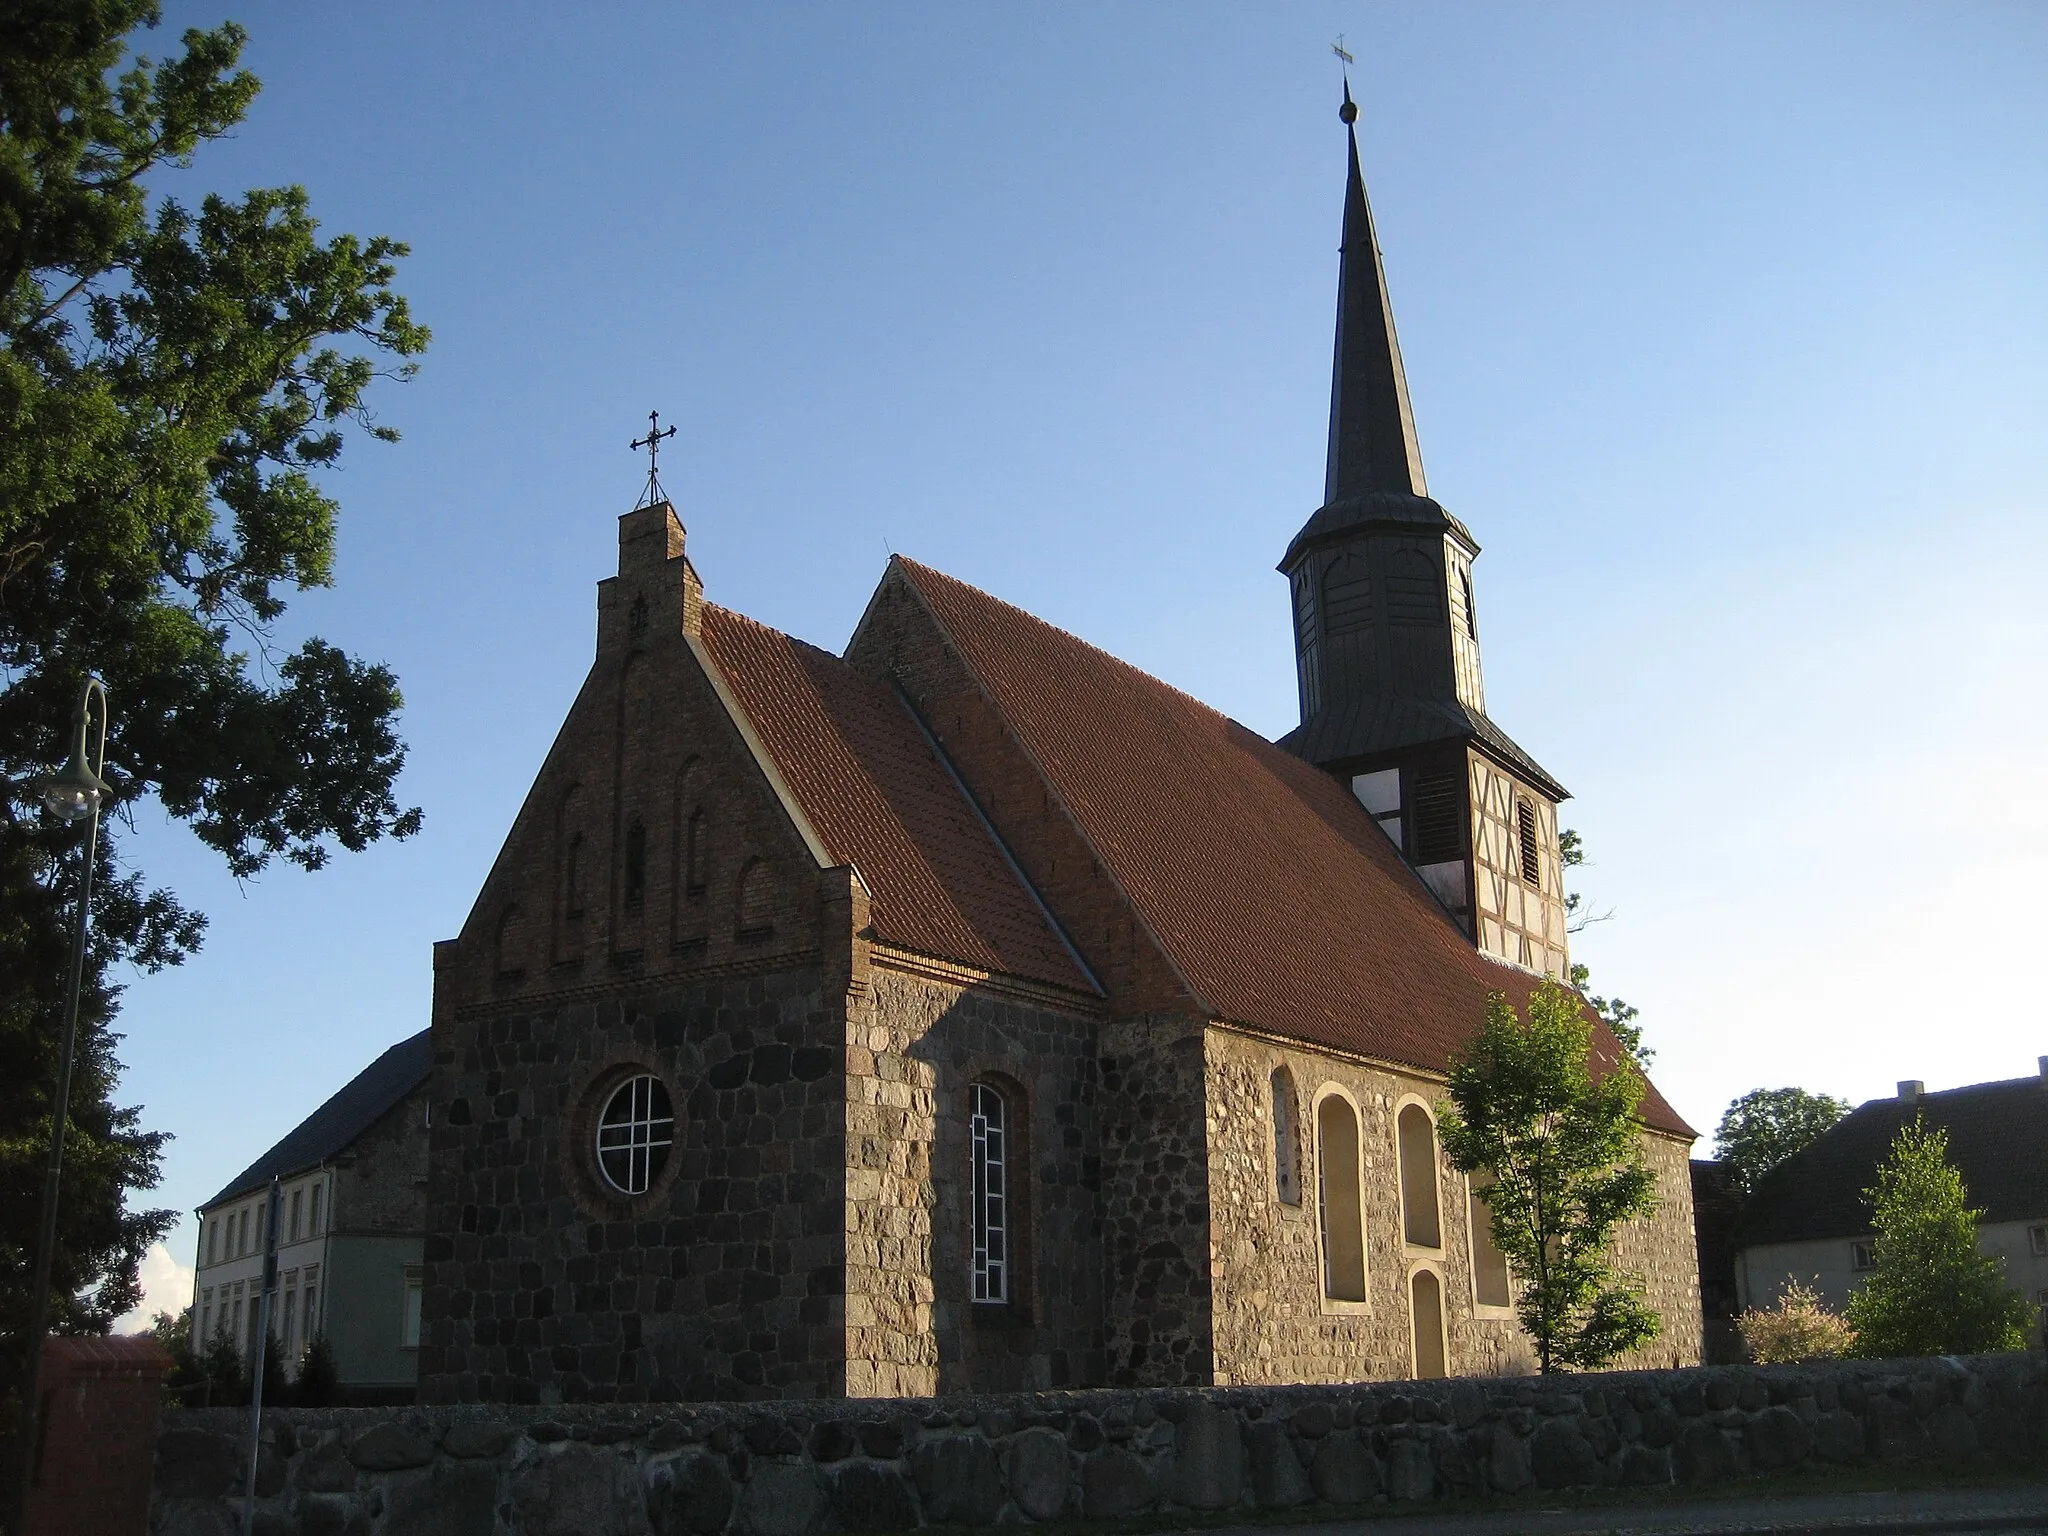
<point x="634" y="1134"/>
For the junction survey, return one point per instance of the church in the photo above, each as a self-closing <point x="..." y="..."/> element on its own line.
<point x="970" y="1011"/>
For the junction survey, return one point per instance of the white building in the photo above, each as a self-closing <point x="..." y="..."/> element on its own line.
<point x="1808" y="1219"/>
<point x="353" y="1179"/>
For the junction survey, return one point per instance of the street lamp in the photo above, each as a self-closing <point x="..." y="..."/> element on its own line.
<point x="75" y="792"/>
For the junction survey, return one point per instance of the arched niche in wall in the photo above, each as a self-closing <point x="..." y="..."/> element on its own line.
<point x="1339" y="1197"/>
<point x="754" y="910"/>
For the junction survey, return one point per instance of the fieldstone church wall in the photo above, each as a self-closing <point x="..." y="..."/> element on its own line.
<point x="778" y="1469"/>
<point x="912" y="1054"/>
<point x="722" y="1282"/>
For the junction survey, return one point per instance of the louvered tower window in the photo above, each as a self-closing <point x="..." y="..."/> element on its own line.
<point x="1525" y="836"/>
<point x="1435" y="829"/>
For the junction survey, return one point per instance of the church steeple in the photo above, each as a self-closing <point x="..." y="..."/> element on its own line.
<point x="1387" y="644"/>
<point x="1372" y="427"/>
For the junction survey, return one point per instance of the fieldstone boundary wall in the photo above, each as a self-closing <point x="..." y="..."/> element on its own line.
<point x="793" y="1468"/>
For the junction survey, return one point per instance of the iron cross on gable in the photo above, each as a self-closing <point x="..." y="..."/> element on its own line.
<point x="652" y="443"/>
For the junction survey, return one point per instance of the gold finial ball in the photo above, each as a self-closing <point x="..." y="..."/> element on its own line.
<point x="1348" y="113"/>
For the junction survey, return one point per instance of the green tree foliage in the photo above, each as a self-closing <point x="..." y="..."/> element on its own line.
<point x="1620" y="1016"/>
<point x="1932" y="1292"/>
<point x="172" y="380"/>
<point x="1764" y="1127"/>
<point x="1568" y="1169"/>
<point x="318" y="1383"/>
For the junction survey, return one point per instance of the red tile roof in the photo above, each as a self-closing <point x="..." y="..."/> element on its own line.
<point x="876" y="793"/>
<point x="1278" y="898"/>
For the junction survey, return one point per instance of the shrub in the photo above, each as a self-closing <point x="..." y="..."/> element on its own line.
<point x="317" y="1375"/>
<point x="1796" y="1328"/>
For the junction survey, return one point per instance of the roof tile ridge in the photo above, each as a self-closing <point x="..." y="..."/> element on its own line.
<point x="1052" y="792"/>
<point x="1067" y="634"/>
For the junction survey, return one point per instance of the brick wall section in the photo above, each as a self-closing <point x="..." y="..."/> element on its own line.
<point x="1272" y="1325"/>
<point x="1109" y="1455"/>
<point x="386" y="1190"/>
<point x="101" y="1399"/>
<point x="912" y="1053"/>
<point x="721" y="1282"/>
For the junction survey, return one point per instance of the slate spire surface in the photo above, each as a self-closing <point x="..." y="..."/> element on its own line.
<point x="1372" y="427"/>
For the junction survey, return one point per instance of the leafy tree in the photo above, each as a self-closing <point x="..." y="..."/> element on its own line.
<point x="172" y="379"/>
<point x="1767" y="1125"/>
<point x="1567" y="1168"/>
<point x="317" y="1385"/>
<point x="1932" y="1292"/>
<point x="1620" y="1016"/>
<point x="223" y="1382"/>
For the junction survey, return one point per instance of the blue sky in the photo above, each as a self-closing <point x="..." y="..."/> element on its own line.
<point x="1726" y="325"/>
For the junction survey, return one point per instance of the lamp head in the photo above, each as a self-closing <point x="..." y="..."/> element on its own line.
<point x="74" y="791"/>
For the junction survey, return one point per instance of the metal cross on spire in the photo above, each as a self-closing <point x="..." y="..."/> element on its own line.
<point x="654" y="495"/>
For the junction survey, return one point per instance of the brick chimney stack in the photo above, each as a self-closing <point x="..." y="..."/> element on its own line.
<point x="1910" y="1088"/>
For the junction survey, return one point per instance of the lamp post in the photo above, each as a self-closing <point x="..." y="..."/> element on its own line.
<point x="76" y="792"/>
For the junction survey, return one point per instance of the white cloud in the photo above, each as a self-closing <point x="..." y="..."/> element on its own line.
<point x="166" y="1287"/>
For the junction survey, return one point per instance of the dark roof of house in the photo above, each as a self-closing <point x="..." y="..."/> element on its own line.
<point x="1997" y="1138"/>
<point x="877" y="793"/>
<point x="334" y="1127"/>
<point x="1280" y="901"/>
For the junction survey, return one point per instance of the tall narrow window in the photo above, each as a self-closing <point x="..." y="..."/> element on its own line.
<point x="205" y="1320"/>
<point x="1489" y="1264"/>
<point x="634" y="1134"/>
<point x="988" y="1118"/>
<point x="1286" y="1140"/>
<point x="1525" y="838"/>
<point x="288" y="1319"/>
<point x="213" y="1239"/>
<point x="636" y="864"/>
<point x="409" y="1314"/>
<point x="298" y="1195"/>
<point x="1337" y="1195"/>
<point x="310" y="1307"/>
<point x="1471" y="617"/>
<point x="1426" y="1313"/>
<point x="572" y="877"/>
<point x="694" y="853"/>
<point x="1435" y="830"/>
<point x="1420" y="1227"/>
<point x="313" y="1223"/>
<point x="1347" y="595"/>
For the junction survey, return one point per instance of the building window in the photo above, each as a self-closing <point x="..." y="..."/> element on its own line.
<point x="1347" y="595"/>
<point x="409" y="1317"/>
<point x="1286" y="1140"/>
<point x="288" y="1317"/>
<point x="1414" y="595"/>
<point x="313" y="1222"/>
<point x="1525" y="838"/>
<point x="1426" y="1317"/>
<point x="212" y="1239"/>
<point x="1337" y="1200"/>
<point x="2037" y="1241"/>
<point x="755" y="917"/>
<point x="693" y="854"/>
<point x="1436" y="824"/>
<point x="1420" y="1227"/>
<point x="634" y="1134"/>
<point x="298" y="1196"/>
<point x="309" y="1307"/>
<point x="988" y="1125"/>
<point x="1863" y="1256"/>
<point x="1471" y="616"/>
<point x="205" y="1320"/>
<point x="1489" y="1265"/>
<point x="636" y="864"/>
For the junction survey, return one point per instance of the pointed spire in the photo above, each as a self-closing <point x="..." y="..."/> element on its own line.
<point x="1372" y="428"/>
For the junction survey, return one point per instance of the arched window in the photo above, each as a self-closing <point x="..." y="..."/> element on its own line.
<point x="1347" y="595"/>
<point x="695" y="855"/>
<point x="1489" y="1264"/>
<point x="1420" y="1227"/>
<point x="1414" y="590"/>
<point x="636" y="864"/>
<point x="508" y="943"/>
<point x="756" y="910"/>
<point x="988" y="1128"/>
<point x="1426" y="1316"/>
<point x="1337" y="1194"/>
<point x="1286" y="1140"/>
<point x="634" y="1134"/>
